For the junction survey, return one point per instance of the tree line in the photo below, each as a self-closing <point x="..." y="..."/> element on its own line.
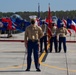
<point x="25" y="15"/>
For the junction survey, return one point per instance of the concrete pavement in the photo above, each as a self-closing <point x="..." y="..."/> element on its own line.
<point x="12" y="58"/>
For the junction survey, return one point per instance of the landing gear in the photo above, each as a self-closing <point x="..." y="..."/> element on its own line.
<point x="9" y="33"/>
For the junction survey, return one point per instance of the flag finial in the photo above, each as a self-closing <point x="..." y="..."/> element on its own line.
<point x="49" y="4"/>
<point x="38" y="3"/>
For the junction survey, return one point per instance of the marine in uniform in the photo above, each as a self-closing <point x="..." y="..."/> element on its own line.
<point x="62" y="37"/>
<point x="44" y="38"/>
<point x="33" y="34"/>
<point x="53" y="38"/>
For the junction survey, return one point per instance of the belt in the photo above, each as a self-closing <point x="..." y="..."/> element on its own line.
<point x="33" y="40"/>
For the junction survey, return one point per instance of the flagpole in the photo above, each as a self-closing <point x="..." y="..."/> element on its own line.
<point x="38" y="10"/>
<point x="38" y="19"/>
<point x="49" y="13"/>
<point x="49" y="23"/>
<point x="49" y="19"/>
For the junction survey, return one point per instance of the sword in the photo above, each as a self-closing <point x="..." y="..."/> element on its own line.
<point x="24" y="58"/>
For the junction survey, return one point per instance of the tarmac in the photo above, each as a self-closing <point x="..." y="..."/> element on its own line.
<point x="13" y="58"/>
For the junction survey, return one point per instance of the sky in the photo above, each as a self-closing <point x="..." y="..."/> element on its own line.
<point x="32" y="5"/>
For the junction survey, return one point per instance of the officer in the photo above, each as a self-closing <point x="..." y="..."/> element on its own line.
<point x="53" y="37"/>
<point x="32" y="35"/>
<point x="62" y="37"/>
<point x="44" y="38"/>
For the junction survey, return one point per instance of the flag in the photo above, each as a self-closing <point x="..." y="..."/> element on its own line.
<point x="49" y="21"/>
<point x="69" y="22"/>
<point x="64" y="22"/>
<point x="59" y="23"/>
<point x="73" y="25"/>
<point x="69" y="30"/>
<point x="74" y="20"/>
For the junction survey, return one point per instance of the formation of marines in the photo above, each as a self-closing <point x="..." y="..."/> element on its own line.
<point x="37" y="35"/>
